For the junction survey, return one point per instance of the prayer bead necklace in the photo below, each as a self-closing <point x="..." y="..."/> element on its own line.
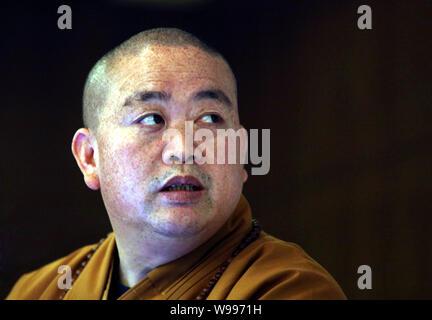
<point x="248" y="239"/>
<point x="81" y="267"/>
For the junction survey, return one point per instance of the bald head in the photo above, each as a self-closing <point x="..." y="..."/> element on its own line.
<point x="101" y="78"/>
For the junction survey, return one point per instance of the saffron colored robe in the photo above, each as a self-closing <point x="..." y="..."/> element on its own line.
<point x="268" y="268"/>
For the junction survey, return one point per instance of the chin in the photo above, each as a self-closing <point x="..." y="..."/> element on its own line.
<point x="182" y="223"/>
<point x="178" y="230"/>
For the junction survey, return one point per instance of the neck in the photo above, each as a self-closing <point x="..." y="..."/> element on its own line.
<point x="140" y="251"/>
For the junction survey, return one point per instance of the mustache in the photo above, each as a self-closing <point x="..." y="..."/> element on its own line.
<point x="157" y="182"/>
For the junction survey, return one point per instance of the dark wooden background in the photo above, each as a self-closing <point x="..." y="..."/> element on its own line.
<point x="349" y="113"/>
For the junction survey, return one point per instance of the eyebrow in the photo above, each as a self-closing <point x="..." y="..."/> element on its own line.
<point x="213" y="94"/>
<point x="147" y="96"/>
<point x="162" y="96"/>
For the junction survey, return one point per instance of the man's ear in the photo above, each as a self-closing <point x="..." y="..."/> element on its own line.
<point x="245" y="175"/>
<point x="83" y="152"/>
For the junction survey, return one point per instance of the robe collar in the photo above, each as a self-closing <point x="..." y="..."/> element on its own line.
<point x="94" y="281"/>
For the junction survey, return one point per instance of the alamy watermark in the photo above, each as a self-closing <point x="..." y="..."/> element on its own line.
<point x="64" y="282"/>
<point x="364" y="22"/>
<point x="65" y="20"/>
<point x="226" y="146"/>
<point x="365" y="280"/>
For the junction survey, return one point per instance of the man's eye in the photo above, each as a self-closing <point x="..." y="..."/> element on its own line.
<point x="151" y="119"/>
<point x="211" y="118"/>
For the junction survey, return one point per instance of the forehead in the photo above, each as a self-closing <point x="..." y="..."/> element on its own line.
<point x="176" y="70"/>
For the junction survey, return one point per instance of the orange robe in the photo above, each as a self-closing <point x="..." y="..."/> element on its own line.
<point x="268" y="268"/>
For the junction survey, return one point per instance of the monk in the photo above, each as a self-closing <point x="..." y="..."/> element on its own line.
<point x="181" y="229"/>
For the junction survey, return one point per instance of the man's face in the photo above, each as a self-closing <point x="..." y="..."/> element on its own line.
<point x="154" y="92"/>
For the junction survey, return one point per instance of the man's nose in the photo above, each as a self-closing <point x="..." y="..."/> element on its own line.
<point x="178" y="147"/>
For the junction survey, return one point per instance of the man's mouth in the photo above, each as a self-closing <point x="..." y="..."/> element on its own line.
<point x="182" y="183"/>
<point x="181" y="187"/>
<point x="181" y="190"/>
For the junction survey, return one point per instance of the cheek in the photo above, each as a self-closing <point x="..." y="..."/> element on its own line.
<point x="230" y="149"/>
<point x="126" y="161"/>
<point x="227" y="188"/>
<point x="228" y="171"/>
<point x="227" y="180"/>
